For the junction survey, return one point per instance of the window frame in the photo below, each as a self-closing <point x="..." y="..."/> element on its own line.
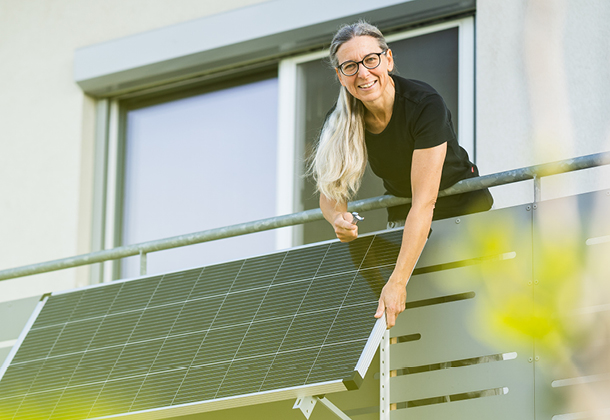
<point x="111" y="141"/>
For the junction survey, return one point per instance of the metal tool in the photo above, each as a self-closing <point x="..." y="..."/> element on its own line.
<point x="357" y="218"/>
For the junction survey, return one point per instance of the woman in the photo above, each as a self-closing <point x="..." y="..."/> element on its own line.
<point x="404" y="129"/>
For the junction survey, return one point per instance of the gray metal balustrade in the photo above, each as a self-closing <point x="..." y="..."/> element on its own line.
<point x="534" y="172"/>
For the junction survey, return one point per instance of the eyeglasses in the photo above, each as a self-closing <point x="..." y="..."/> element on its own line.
<point x="370" y="61"/>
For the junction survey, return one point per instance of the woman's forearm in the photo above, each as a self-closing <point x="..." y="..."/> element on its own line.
<point x="417" y="227"/>
<point x="393" y="297"/>
<point x="331" y="209"/>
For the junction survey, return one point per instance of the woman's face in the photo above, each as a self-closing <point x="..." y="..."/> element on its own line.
<point x="367" y="85"/>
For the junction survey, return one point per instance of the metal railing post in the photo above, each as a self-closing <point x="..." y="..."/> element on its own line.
<point x="142" y="263"/>
<point x="537" y="188"/>
<point x="384" y="377"/>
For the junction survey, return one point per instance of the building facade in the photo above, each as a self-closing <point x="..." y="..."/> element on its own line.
<point x="128" y="121"/>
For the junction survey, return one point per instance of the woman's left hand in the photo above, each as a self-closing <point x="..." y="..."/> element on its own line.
<point x="392" y="300"/>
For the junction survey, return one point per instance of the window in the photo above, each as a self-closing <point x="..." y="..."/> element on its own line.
<point x="198" y="161"/>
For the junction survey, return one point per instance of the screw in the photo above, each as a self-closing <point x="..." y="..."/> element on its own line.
<point x="537" y="358"/>
<point x="535" y="206"/>
<point x="535" y="281"/>
<point x="528" y="208"/>
<point x="457" y="221"/>
<point x="530" y="359"/>
<point x="529" y="283"/>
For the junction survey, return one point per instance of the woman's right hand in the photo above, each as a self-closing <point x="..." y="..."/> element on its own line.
<point x="337" y="215"/>
<point x="345" y="230"/>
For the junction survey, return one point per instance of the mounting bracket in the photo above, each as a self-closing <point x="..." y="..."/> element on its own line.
<point x="307" y="404"/>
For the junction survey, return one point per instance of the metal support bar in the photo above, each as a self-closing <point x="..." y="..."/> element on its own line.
<point x="143" y="263"/>
<point x="537" y="188"/>
<point x="337" y="412"/>
<point x="384" y="377"/>
<point x="307" y="404"/>
<point x="383" y="201"/>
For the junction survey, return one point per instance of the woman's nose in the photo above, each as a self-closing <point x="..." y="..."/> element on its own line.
<point x="362" y="71"/>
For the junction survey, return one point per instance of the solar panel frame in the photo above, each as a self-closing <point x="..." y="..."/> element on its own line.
<point x="324" y="387"/>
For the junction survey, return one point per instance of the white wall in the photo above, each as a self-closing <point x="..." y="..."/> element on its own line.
<point x="47" y="124"/>
<point x="543" y="90"/>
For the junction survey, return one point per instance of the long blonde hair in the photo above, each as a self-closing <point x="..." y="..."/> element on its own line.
<point x="340" y="157"/>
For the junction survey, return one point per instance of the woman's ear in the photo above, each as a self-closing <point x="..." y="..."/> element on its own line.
<point x="390" y="58"/>
<point x="339" y="76"/>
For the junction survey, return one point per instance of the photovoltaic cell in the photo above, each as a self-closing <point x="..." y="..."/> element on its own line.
<point x="290" y="319"/>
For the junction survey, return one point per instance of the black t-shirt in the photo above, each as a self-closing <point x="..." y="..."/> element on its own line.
<point x="420" y="120"/>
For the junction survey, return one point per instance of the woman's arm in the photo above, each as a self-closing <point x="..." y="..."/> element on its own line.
<point x="425" y="181"/>
<point x="336" y="214"/>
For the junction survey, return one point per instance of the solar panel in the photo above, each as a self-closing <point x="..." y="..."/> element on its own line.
<point x="278" y="326"/>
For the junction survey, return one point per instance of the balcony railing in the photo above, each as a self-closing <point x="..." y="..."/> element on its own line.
<point x="535" y="172"/>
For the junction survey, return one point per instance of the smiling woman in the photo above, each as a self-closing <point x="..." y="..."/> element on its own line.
<point x="370" y="83"/>
<point x="404" y="129"/>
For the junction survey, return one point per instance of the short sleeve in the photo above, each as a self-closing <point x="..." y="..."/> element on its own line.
<point x="432" y="126"/>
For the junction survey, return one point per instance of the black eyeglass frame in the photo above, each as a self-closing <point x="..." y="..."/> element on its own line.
<point x="340" y="66"/>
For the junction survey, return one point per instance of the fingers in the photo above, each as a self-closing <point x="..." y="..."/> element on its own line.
<point x="344" y="228"/>
<point x="380" y="309"/>
<point x="346" y="235"/>
<point x="390" y="315"/>
<point x="344" y="221"/>
<point x="392" y="301"/>
<point x="392" y="312"/>
<point x="390" y="319"/>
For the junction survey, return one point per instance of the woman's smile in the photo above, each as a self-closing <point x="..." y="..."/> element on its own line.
<point x="367" y="85"/>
